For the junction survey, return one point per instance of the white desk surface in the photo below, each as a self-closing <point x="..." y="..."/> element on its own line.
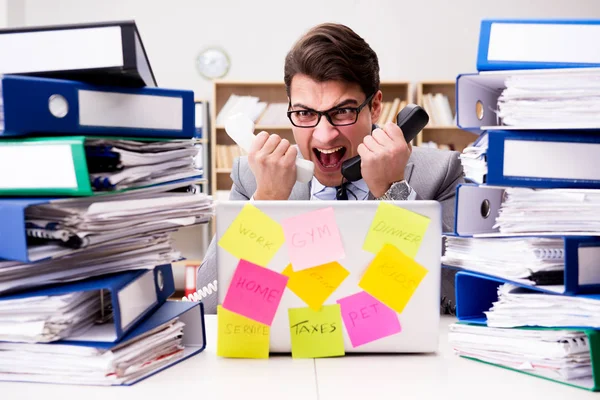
<point x="205" y="376"/>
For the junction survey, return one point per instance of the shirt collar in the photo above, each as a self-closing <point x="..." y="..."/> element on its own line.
<point x="317" y="187"/>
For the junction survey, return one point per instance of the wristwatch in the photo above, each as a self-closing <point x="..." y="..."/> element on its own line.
<point x="398" y="191"/>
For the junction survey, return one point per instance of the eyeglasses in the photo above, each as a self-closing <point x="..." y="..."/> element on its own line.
<point x="338" y="116"/>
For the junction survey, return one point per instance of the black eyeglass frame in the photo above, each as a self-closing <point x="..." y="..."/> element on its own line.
<point x="326" y="113"/>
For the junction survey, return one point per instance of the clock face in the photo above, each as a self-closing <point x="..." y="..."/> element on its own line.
<point x="213" y="63"/>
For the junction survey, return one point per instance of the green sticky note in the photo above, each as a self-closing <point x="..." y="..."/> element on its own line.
<point x="396" y="226"/>
<point x="316" y="334"/>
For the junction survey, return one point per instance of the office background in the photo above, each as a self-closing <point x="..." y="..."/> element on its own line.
<point x="415" y="40"/>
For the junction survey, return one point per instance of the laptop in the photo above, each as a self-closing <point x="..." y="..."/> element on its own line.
<point x="419" y="318"/>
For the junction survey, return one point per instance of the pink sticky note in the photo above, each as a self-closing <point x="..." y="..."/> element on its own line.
<point x="255" y="292"/>
<point x="313" y="239"/>
<point x="367" y="319"/>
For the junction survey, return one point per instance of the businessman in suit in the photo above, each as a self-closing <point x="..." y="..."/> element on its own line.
<point x="332" y="82"/>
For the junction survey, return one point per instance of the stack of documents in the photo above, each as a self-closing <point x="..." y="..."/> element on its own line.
<point x="138" y="252"/>
<point x="171" y="334"/>
<point x="43" y="319"/>
<point x="123" y="164"/>
<point x="555" y="354"/>
<point x="551" y="99"/>
<point x="473" y="160"/>
<point x="533" y="260"/>
<point x="518" y="306"/>
<point x="555" y="211"/>
<point x="55" y="229"/>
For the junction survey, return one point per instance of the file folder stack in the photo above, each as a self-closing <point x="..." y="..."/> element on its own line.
<point x="98" y="167"/>
<point x="526" y="241"/>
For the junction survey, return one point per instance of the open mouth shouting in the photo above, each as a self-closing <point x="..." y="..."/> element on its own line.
<point x="330" y="159"/>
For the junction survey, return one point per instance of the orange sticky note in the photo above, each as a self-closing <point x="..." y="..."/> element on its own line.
<point x="392" y="278"/>
<point x="241" y="337"/>
<point x="397" y="226"/>
<point x="314" y="285"/>
<point x="253" y="236"/>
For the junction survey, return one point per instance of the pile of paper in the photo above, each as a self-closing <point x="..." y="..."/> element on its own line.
<point x="474" y="161"/>
<point x="58" y="228"/>
<point x="124" y="164"/>
<point x="525" y="260"/>
<point x="61" y="363"/>
<point x="556" y="354"/>
<point x="557" y="99"/>
<point x="556" y="211"/>
<point x="517" y="306"/>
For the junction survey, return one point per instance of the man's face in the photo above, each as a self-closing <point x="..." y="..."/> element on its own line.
<point x="327" y="146"/>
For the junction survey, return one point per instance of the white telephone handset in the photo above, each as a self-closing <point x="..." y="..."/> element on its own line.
<point x="240" y="128"/>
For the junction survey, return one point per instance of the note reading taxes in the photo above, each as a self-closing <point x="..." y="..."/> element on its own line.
<point x="253" y="236"/>
<point x="392" y="277"/>
<point x="395" y="225"/>
<point x="315" y="285"/>
<point x="313" y="238"/>
<point x="255" y="292"/>
<point x="316" y="333"/>
<point x="367" y="319"/>
<point x="240" y="337"/>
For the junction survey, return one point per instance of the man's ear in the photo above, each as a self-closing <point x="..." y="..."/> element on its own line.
<point x="376" y="105"/>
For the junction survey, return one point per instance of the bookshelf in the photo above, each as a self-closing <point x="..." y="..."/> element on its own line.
<point x="438" y="98"/>
<point x="272" y="120"/>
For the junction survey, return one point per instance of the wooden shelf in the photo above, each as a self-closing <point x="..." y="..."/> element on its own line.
<point x="223" y="170"/>
<point x="445" y="135"/>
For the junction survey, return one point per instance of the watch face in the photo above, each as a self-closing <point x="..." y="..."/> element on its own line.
<point x="399" y="190"/>
<point x="213" y="63"/>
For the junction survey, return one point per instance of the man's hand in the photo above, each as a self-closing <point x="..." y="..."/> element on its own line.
<point x="273" y="162"/>
<point x="383" y="155"/>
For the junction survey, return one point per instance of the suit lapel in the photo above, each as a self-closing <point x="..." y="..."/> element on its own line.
<point x="300" y="191"/>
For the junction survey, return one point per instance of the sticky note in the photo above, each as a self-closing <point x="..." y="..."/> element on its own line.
<point x="392" y="277"/>
<point x="255" y="292"/>
<point x="316" y="334"/>
<point x="395" y="225"/>
<point x="313" y="238"/>
<point x="367" y="319"/>
<point x="314" y="285"/>
<point x="253" y="236"/>
<point x="240" y="337"/>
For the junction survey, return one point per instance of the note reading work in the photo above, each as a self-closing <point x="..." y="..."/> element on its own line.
<point x="392" y="278"/>
<point x="395" y="225"/>
<point x="314" y="285"/>
<point x="313" y="238"/>
<point x="253" y="236"/>
<point x="316" y="333"/>
<point x="240" y="337"/>
<point x="367" y="319"/>
<point x="255" y="292"/>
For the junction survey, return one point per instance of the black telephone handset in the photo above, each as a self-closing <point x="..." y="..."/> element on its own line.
<point x="411" y="119"/>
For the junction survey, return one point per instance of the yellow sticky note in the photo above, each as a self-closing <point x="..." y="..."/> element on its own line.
<point x="314" y="285"/>
<point x="395" y="225"/>
<point x="316" y="333"/>
<point x="392" y="278"/>
<point x="241" y="337"/>
<point x="253" y="236"/>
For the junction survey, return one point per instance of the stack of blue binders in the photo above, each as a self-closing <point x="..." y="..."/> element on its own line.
<point x="519" y="279"/>
<point x="97" y="170"/>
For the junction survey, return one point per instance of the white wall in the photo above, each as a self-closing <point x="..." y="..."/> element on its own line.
<point x="423" y="39"/>
<point x="3" y="12"/>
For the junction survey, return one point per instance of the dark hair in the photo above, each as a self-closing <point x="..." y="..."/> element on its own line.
<point x="333" y="52"/>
